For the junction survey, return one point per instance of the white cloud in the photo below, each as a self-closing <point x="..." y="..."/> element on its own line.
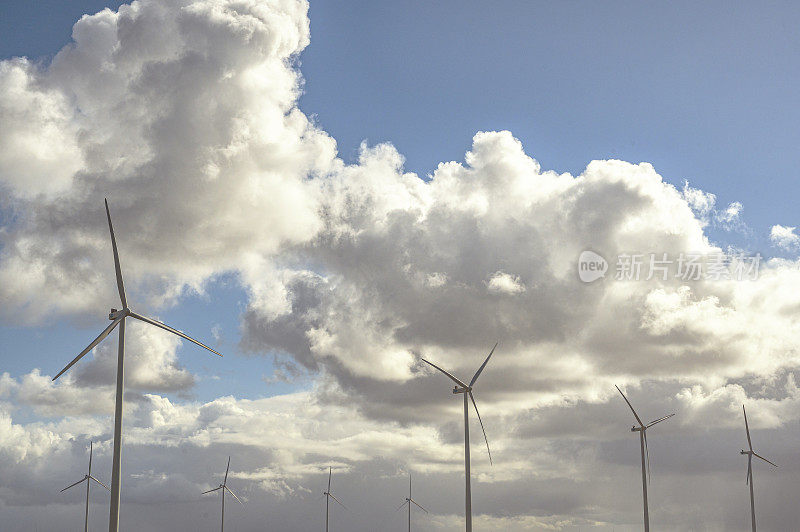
<point x="39" y="150"/>
<point x="505" y="283"/>
<point x="784" y="237"/>
<point x="703" y="204"/>
<point x="186" y="119"/>
<point x="151" y="361"/>
<point x="730" y="218"/>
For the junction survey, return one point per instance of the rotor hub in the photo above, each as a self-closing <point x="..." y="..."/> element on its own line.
<point x="114" y="314"/>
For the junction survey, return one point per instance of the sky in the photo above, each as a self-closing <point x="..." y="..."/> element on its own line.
<point x="327" y="193"/>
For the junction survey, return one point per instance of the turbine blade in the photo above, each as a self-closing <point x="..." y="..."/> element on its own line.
<point x="234" y="495"/>
<point x="209" y="491"/>
<point x="226" y="471"/>
<point x="446" y="373"/>
<point x="659" y="420"/>
<point x="106" y="487"/>
<point x="330" y="474"/>
<point x="420" y="507"/>
<point x="91" y="346"/>
<point x="484" y="430"/>
<point x="173" y="331"/>
<point x="90" y="459"/>
<point x="647" y="452"/>
<point x="120" y="284"/>
<point x="332" y="496"/>
<point x="75" y="484"/>
<point x="747" y="428"/>
<point x="401" y="506"/>
<point x="630" y="405"/>
<point x="767" y="461"/>
<point x="477" y="373"/>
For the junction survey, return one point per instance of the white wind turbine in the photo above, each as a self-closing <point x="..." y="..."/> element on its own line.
<point x="88" y="479"/>
<point x="409" y="502"/>
<point x="642" y="430"/>
<point x="328" y="496"/>
<point x="750" y="454"/>
<point x="117" y="317"/>
<point x="223" y="488"/>
<point x="466" y="389"/>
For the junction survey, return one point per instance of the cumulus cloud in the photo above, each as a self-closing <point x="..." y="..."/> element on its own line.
<point x="185" y="115"/>
<point x="784" y="237"/>
<point x="150" y="361"/>
<point x="39" y="151"/>
<point x="182" y="114"/>
<point x="704" y="206"/>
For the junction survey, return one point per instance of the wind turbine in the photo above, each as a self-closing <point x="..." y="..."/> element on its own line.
<point x="466" y="389"/>
<point x="88" y="479"/>
<point x="642" y="430"/>
<point x="117" y="317"/>
<point x="328" y="497"/>
<point x="750" y="454"/>
<point x="409" y="502"/>
<point x="224" y="487"/>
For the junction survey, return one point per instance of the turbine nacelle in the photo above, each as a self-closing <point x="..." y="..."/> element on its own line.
<point x="457" y="390"/>
<point x="114" y="314"/>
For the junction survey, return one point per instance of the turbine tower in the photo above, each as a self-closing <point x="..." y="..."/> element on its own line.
<point x="223" y="488"/>
<point x="88" y="479"/>
<point x="642" y="430"/>
<point x="409" y="502"/>
<point x="117" y="317"/>
<point x="466" y="390"/>
<point x="750" y="454"/>
<point x="328" y="496"/>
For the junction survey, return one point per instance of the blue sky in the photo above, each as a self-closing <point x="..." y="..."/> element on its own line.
<point x="696" y="89"/>
<point x="692" y="88"/>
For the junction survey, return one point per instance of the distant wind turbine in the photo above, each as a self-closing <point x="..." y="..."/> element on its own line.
<point x="409" y="502"/>
<point x="466" y="389"/>
<point x="642" y="430"/>
<point x="117" y="317"/>
<point x="223" y="488"/>
<point x="88" y="479"/>
<point x="750" y="454"/>
<point x="328" y="497"/>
